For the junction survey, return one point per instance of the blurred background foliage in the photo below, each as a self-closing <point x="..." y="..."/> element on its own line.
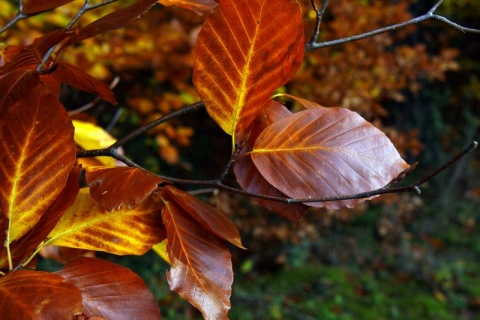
<point x="401" y="256"/>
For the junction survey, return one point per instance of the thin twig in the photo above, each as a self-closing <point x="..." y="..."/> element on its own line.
<point x="427" y="16"/>
<point x="319" y="13"/>
<point x="97" y="99"/>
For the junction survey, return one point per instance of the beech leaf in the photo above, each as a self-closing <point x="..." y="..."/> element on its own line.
<point x="198" y="6"/>
<point x="36" y="6"/>
<point x="110" y="291"/>
<point x="201" y="267"/>
<point x="115" y="187"/>
<point x="241" y="58"/>
<point x="88" y="226"/>
<point x="27" y="294"/>
<point x="90" y="136"/>
<point x="326" y="152"/>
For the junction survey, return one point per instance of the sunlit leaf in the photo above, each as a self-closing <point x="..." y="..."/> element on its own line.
<point x="38" y="152"/>
<point x="248" y="176"/>
<point x="90" y="137"/>
<point x="245" y="51"/>
<point x="88" y="226"/>
<point x="27" y="294"/>
<point x="13" y="86"/>
<point x="161" y="250"/>
<point x="199" y="6"/>
<point x="64" y="254"/>
<point x="201" y="267"/>
<point x="115" y="187"/>
<point x="110" y="291"/>
<point x="210" y="218"/>
<point x="326" y="152"/>
<point x="35" y="6"/>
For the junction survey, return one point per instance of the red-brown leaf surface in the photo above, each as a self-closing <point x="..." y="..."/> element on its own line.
<point x="64" y="254"/>
<point x="88" y="226"/>
<point x="326" y="152"/>
<point x="245" y="51"/>
<point x="110" y="291"/>
<point x="35" y="6"/>
<point x="13" y="86"/>
<point x="118" y="187"/>
<point x="248" y="176"/>
<point x="201" y="267"/>
<point x="210" y="218"/>
<point x="39" y="295"/>
<point x="38" y="153"/>
<point x="199" y="6"/>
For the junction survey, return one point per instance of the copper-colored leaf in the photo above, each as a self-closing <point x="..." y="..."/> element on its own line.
<point x="210" y="218"/>
<point x="27" y="294"/>
<point x="120" y="186"/>
<point x="64" y="254"/>
<point x="201" y="269"/>
<point x="13" y="86"/>
<point x="110" y="291"/>
<point x="35" y="6"/>
<point x="38" y="152"/>
<point x="88" y="226"/>
<point x="326" y="152"/>
<point x="245" y="51"/>
<point x="199" y="6"/>
<point x="81" y="80"/>
<point x="248" y="176"/>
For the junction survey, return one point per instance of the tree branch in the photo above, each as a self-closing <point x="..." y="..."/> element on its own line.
<point x="427" y="16"/>
<point x="318" y="21"/>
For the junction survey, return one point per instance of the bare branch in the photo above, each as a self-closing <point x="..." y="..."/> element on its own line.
<point x="319" y="13"/>
<point x="427" y="16"/>
<point x="91" y="104"/>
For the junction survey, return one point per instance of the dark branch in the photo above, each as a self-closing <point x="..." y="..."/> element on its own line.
<point x="318" y="21"/>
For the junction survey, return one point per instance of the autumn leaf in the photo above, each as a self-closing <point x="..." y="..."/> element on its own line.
<point x="247" y="174"/>
<point x="201" y="267"/>
<point x="64" y="254"/>
<point x="36" y="6"/>
<point x="199" y="6"/>
<point x="241" y="58"/>
<point x="326" y="152"/>
<point x="110" y="291"/>
<point x="88" y="226"/>
<point x="90" y="137"/>
<point x="13" y="86"/>
<point x="27" y="294"/>
<point x="161" y="250"/>
<point x="115" y="187"/>
<point x="38" y="152"/>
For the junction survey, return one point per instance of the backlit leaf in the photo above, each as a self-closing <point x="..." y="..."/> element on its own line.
<point x="326" y="152"/>
<point x="115" y="187"/>
<point x="199" y="6"/>
<point x="13" y="86"/>
<point x="201" y="269"/>
<point x="63" y="254"/>
<point x="161" y="250"/>
<point x="27" y="294"/>
<point x="245" y="51"/>
<point x="110" y="291"/>
<point x="248" y="176"/>
<point x="90" y="137"/>
<point x="88" y="226"/>
<point x="35" y="6"/>
<point x="38" y="152"/>
<point x="210" y="218"/>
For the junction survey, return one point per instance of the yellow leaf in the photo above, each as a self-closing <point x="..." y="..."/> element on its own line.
<point x="161" y="250"/>
<point x="89" y="136"/>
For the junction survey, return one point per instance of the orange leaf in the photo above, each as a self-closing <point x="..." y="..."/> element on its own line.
<point x="35" y="6"/>
<point x="210" y="218"/>
<point x="110" y="291"/>
<point x="86" y="225"/>
<point x="201" y="269"/>
<point x="13" y="84"/>
<point x="63" y="254"/>
<point x="115" y="187"/>
<point x="326" y="152"/>
<point x="248" y="176"/>
<point x="245" y="51"/>
<point x="199" y="6"/>
<point x="38" y="152"/>
<point x="26" y="294"/>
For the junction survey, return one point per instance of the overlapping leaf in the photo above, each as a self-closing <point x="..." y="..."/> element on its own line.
<point x="27" y="294"/>
<point x="326" y="152"/>
<point x="201" y="268"/>
<point x="35" y="6"/>
<point x="245" y="51"/>
<point x="199" y="6"/>
<point x="248" y="176"/>
<point x="110" y="291"/>
<point x="86" y="225"/>
<point x="38" y="152"/>
<point x="115" y="187"/>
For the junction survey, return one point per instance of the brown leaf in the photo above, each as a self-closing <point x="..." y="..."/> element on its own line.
<point x="201" y="269"/>
<point x="110" y="291"/>
<point x="241" y="58"/>
<point x="38" y="153"/>
<point x="36" y="6"/>
<point x="13" y="86"/>
<point x="120" y="186"/>
<point x="63" y="254"/>
<point x="86" y="225"/>
<point x="26" y="294"/>
<point x="210" y="218"/>
<point x="326" y="152"/>
<point x="248" y="176"/>
<point x="198" y="6"/>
